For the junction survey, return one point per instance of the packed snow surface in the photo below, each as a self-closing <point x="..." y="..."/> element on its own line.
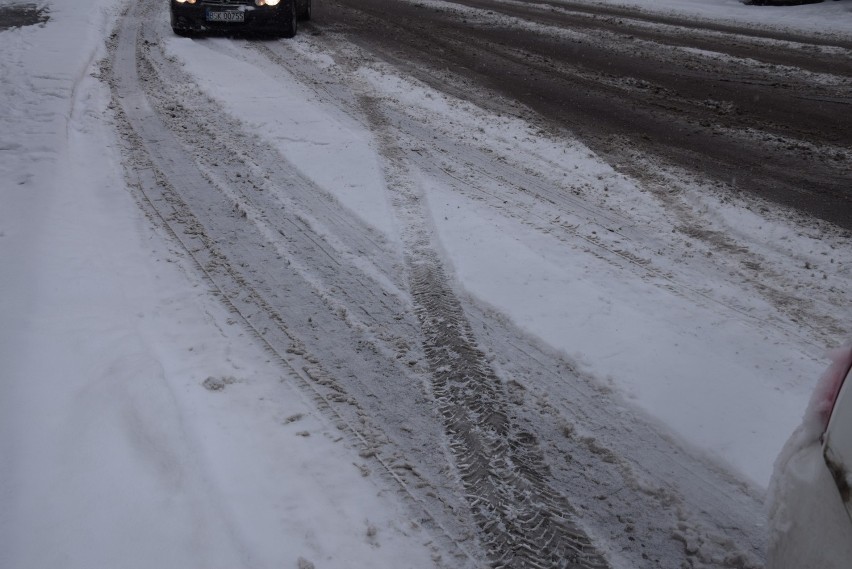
<point x="140" y="428"/>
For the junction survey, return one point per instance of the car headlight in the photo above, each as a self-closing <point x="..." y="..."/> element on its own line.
<point x="186" y="1"/>
<point x="267" y="2"/>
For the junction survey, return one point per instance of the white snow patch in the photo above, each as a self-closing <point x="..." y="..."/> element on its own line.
<point x="329" y="148"/>
<point x="139" y="425"/>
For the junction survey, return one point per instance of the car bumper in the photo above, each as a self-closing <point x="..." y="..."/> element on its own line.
<point x="809" y="526"/>
<point x="197" y="17"/>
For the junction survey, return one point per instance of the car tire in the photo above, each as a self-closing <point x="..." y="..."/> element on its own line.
<point x="292" y="23"/>
<point x="183" y="32"/>
<point x="306" y="12"/>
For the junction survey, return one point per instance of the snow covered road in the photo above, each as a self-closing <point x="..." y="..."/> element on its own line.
<point x="760" y="111"/>
<point x="403" y="322"/>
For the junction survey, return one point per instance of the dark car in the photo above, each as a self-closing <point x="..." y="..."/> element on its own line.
<point x="268" y="17"/>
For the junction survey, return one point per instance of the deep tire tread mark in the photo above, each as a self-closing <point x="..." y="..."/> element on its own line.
<point x="524" y="522"/>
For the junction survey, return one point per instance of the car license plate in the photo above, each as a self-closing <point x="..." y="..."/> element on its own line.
<point x="225" y="16"/>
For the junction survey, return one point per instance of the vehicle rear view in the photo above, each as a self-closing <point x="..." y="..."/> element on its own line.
<point x="268" y="17"/>
<point x="810" y="512"/>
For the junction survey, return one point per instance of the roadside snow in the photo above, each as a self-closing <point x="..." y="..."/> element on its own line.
<point x="139" y="427"/>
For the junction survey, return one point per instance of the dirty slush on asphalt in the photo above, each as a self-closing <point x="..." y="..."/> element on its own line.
<point x="493" y="497"/>
<point x="622" y="80"/>
<point x="19" y="15"/>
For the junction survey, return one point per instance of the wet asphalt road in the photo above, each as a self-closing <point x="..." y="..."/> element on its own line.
<point x="766" y="112"/>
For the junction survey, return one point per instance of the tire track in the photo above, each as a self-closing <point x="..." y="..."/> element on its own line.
<point x="522" y="516"/>
<point x="217" y="224"/>
<point x="592" y="470"/>
<point x="524" y="521"/>
<point x="608" y="234"/>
